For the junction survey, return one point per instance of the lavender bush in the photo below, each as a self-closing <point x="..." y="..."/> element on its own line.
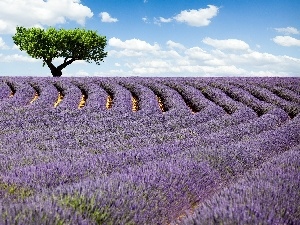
<point x="149" y="150"/>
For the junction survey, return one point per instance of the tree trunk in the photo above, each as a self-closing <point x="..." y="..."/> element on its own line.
<point x="56" y="72"/>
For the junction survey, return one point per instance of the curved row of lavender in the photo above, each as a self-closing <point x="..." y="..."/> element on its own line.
<point x="149" y="150"/>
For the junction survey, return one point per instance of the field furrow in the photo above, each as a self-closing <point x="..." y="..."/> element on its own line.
<point x="121" y="150"/>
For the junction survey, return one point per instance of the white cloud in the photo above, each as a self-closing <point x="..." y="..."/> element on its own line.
<point x="145" y="19"/>
<point x="61" y="60"/>
<point x="112" y="73"/>
<point x="197" y="18"/>
<point x="106" y="18"/>
<point x="140" y="49"/>
<point x="286" y="41"/>
<point x="79" y="73"/>
<point x="230" y="44"/>
<point x="163" y="20"/>
<point x="230" y="70"/>
<point x="138" y="57"/>
<point x="82" y="73"/>
<point x="195" y="61"/>
<point x="133" y="44"/>
<point x="17" y="58"/>
<point x="198" y="54"/>
<point x="2" y="44"/>
<point x="15" y="47"/>
<point x="31" y="13"/>
<point x="172" y="45"/>
<point x="256" y="58"/>
<point x="288" y="30"/>
<point x="215" y="62"/>
<point x="125" y="53"/>
<point x="152" y="63"/>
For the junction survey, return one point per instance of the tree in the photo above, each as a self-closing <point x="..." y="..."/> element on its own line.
<point x="76" y="44"/>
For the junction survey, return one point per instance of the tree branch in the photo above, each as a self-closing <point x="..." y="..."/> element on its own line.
<point x="66" y="63"/>
<point x="49" y="64"/>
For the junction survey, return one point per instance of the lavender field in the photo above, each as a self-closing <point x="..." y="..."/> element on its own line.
<point x="149" y="150"/>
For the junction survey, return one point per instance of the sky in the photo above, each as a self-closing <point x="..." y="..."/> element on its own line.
<point x="155" y="38"/>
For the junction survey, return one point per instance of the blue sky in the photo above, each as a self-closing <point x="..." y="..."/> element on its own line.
<point x="164" y="37"/>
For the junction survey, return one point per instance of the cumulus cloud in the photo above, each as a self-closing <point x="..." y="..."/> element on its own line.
<point x="17" y="58"/>
<point x="255" y="58"/>
<point x="174" y="59"/>
<point x="288" y="30"/>
<point x="286" y="41"/>
<point x="172" y="45"/>
<point x="82" y="73"/>
<point x="198" y="53"/>
<point x="197" y="18"/>
<point x="230" y="44"/>
<point x="152" y="63"/>
<point x="145" y="19"/>
<point x="2" y="44"/>
<point x="125" y="53"/>
<point x="15" y="47"/>
<point x="132" y="44"/>
<point x="106" y="18"/>
<point x="31" y="13"/>
<point x="162" y="20"/>
<point x="195" y="61"/>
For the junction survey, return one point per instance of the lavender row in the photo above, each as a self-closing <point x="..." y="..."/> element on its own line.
<point x="261" y="93"/>
<point x="159" y="193"/>
<point x="96" y="96"/>
<point x="268" y="195"/>
<point x="23" y="95"/>
<point x="238" y="94"/>
<point x="230" y="130"/>
<point x="133" y="205"/>
<point x="121" y="97"/>
<point x="147" y="102"/>
<point x="290" y="83"/>
<point x="192" y="96"/>
<point x="282" y="92"/>
<point x="225" y="153"/>
<point x="64" y="143"/>
<point x="111" y="216"/>
<point x="286" y="82"/>
<point x="172" y="102"/>
<point x="108" y="139"/>
<point x="104" y="125"/>
<point x="228" y="108"/>
<point x="36" y="176"/>
<point x="74" y="102"/>
<point x="69" y="120"/>
<point x="48" y="95"/>
<point x="5" y="91"/>
<point x="82" y="185"/>
<point x="71" y="95"/>
<point x="219" y="97"/>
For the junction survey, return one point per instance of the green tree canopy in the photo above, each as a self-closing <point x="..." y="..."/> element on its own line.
<point x="76" y="44"/>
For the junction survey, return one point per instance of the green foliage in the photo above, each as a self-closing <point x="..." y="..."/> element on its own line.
<point x="76" y="44"/>
<point x="86" y="206"/>
<point x="15" y="191"/>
